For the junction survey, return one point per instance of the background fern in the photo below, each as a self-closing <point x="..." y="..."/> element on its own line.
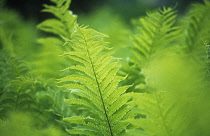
<point x="51" y="46"/>
<point x="63" y="24"/>
<point x="170" y="93"/>
<point x="156" y="35"/>
<point x="23" y="88"/>
<point x="197" y="36"/>
<point x="157" y="32"/>
<point x="108" y="22"/>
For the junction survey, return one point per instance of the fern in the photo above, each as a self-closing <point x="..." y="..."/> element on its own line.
<point x="170" y="106"/>
<point x="28" y="94"/>
<point x="19" y="94"/>
<point x="96" y="84"/>
<point x="64" y="23"/>
<point x="157" y="35"/>
<point x="197" y="33"/>
<point x="170" y="99"/>
<point x="15" y="94"/>
<point x="157" y="114"/>
<point x="60" y="26"/>
<point x="198" y="25"/>
<point x="157" y="32"/>
<point x="16" y="35"/>
<point x="134" y="76"/>
<point x="10" y="68"/>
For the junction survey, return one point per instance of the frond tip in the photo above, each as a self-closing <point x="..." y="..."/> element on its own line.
<point x="95" y="83"/>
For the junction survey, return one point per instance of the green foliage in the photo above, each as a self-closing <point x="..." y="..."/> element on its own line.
<point x="162" y="88"/>
<point x="43" y="62"/>
<point x="10" y="68"/>
<point x="198" y="27"/>
<point x="207" y="74"/>
<point x="96" y="84"/>
<point x="61" y="26"/>
<point x="159" y="120"/>
<point x="197" y="35"/>
<point x="134" y="76"/>
<point x="16" y="35"/>
<point x="172" y="64"/>
<point x="168" y="102"/>
<point x="157" y="32"/>
<point x="106" y="21"/>
<point x="64" y="22"/>
<point x="23" y="124"/>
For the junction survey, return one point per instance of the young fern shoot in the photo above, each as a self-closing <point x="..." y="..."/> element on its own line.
<point x="95" y="83"/>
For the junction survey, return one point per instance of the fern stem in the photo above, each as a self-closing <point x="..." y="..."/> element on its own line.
<point x="102" y="100"/>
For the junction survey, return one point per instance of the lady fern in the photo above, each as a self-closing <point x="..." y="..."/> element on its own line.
<point x="95" y="83"/>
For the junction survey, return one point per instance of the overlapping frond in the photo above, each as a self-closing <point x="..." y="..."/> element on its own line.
<point x="157" y="115"/>
<point x="134" y="76"/>
<point x="156" y="32"/>
<point x="95" y="83"/>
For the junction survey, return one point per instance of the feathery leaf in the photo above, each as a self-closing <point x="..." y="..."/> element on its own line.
<point x="96" y="85"/>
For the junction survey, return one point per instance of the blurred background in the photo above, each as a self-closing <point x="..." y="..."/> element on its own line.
<point x="127" y="9"/>
<point x="114" y="18"/>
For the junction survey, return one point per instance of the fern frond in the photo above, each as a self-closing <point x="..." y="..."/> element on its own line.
<point x="10" y="68"/>
<point x="61" y="26"/>
<point x="134" y="76"/>
<point x="64" y="23"/>
<point x="157" y="32"/>
<point x="96" y="84"/>
<point x="18" y="93"/>
<point x="198" y="26"/>
<point x="157" y="114"/>
<point x="197" y="33"/>
<point x="25" y="93"/>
